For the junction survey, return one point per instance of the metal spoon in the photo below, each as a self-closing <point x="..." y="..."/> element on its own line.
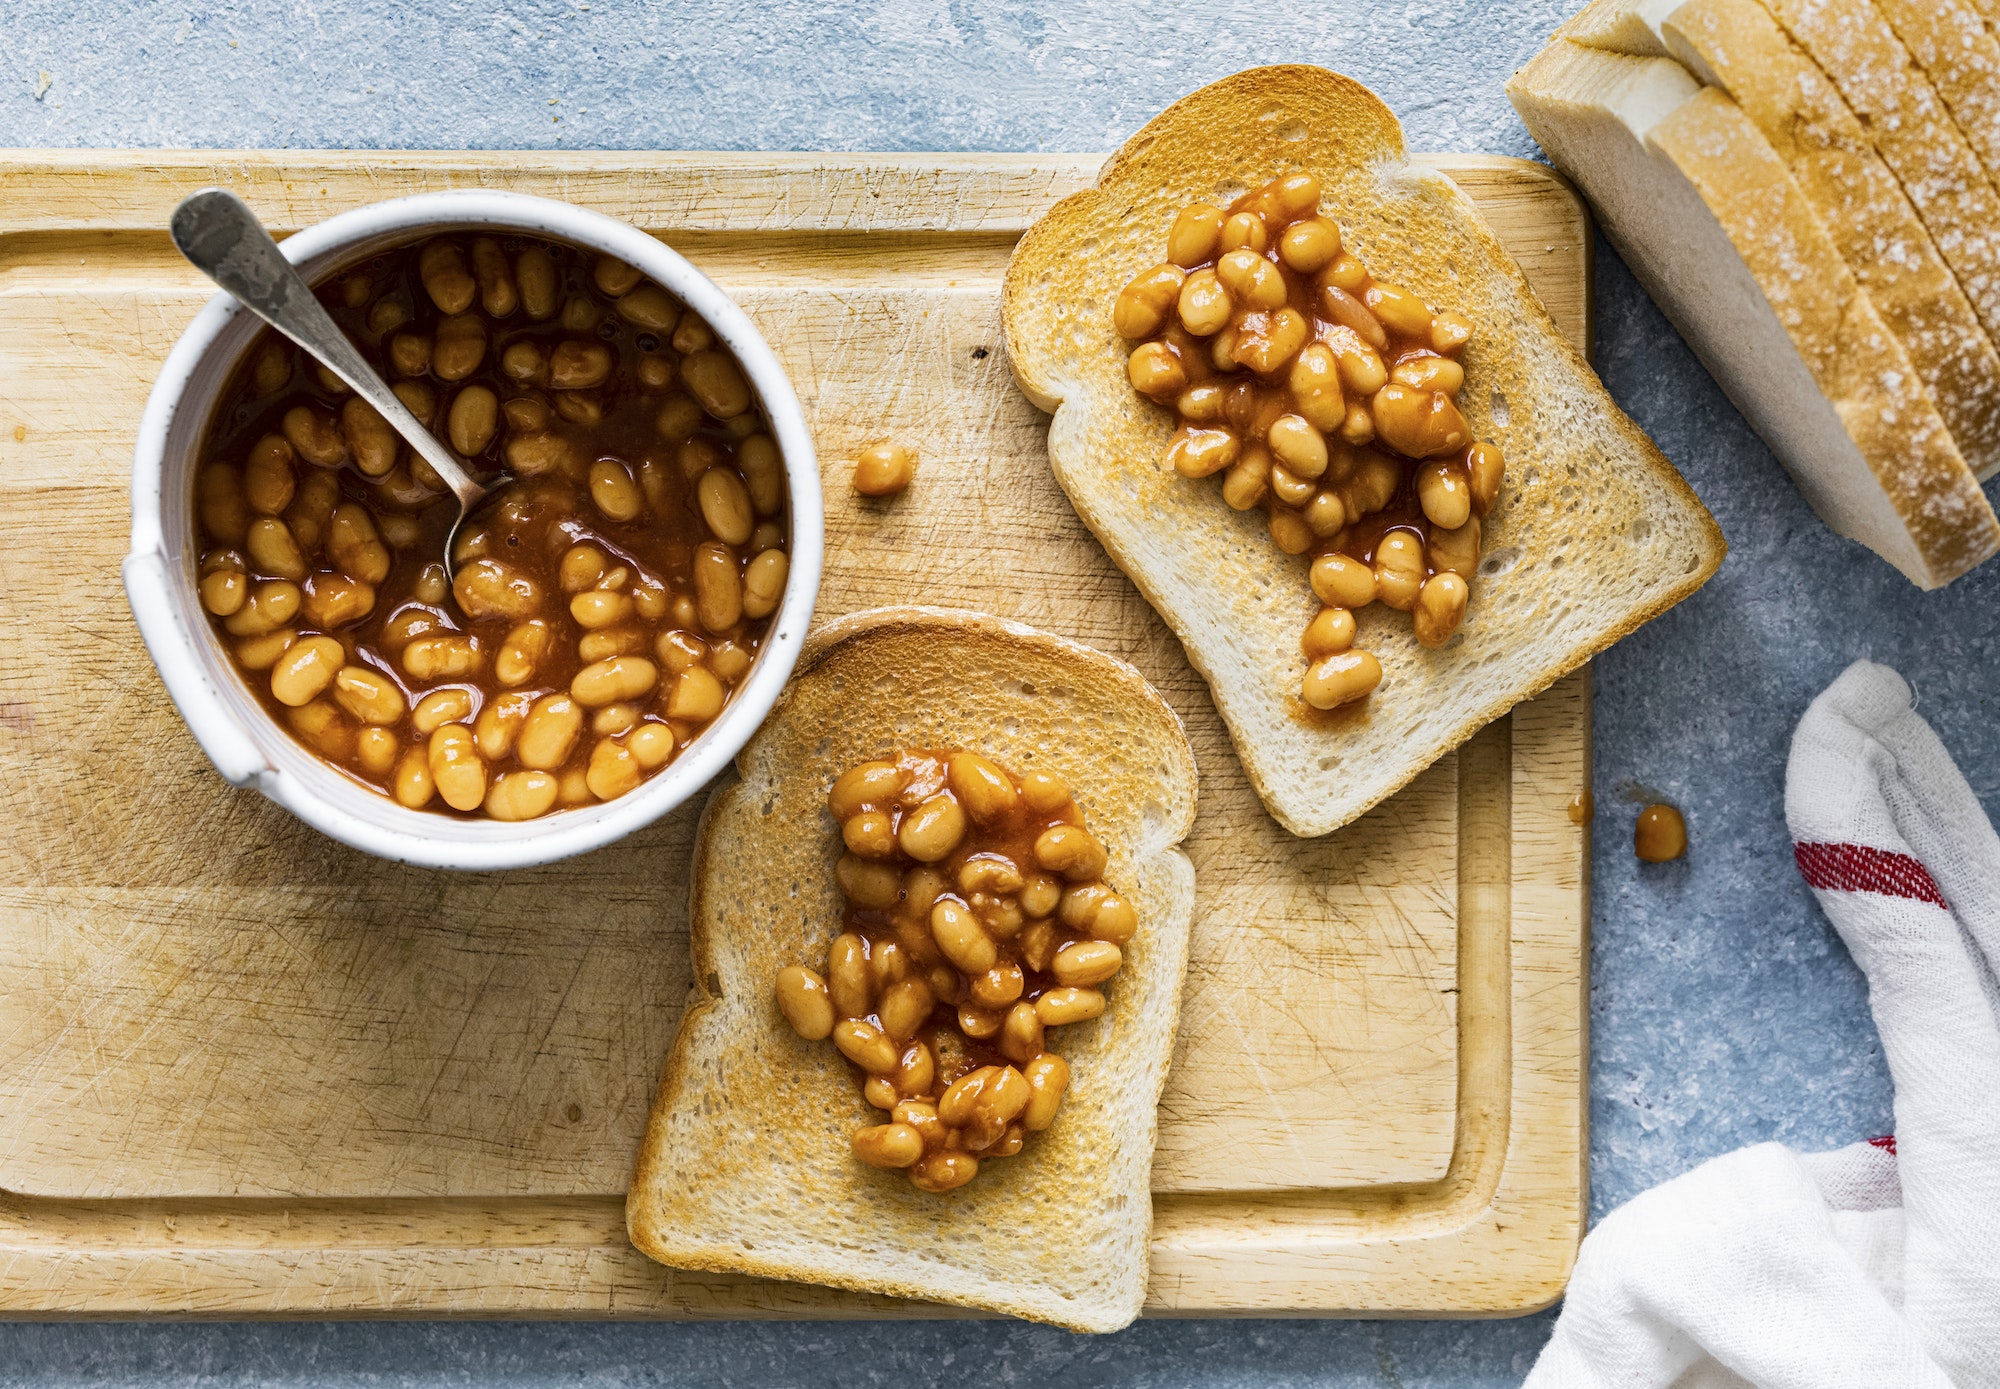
<point x="218" y="232"/>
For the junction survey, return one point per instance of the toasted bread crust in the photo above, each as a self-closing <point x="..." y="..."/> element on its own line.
<point x="1236" y="602"/>
<point x="745" y="1166"/>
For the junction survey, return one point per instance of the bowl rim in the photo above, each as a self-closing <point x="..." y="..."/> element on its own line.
<point x="257" y="752"/>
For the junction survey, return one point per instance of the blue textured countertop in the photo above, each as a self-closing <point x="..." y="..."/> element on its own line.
<point x="1724" y="1011"/>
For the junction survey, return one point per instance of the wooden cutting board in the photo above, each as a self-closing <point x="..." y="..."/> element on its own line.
<point x="246" y="1071"/>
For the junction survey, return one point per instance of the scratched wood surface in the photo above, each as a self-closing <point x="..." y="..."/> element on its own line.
<point x="246" y="1071"/>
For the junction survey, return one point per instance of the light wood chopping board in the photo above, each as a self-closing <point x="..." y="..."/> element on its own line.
<point x="247" y="1071"/>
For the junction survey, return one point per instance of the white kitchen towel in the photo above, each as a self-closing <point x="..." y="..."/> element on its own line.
<point x="1878" y="1264"/>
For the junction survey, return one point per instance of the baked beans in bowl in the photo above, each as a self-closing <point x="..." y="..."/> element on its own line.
<point x="622" y="616"/>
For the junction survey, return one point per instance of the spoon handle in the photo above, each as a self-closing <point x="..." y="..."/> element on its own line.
<point x="218" y="232"/>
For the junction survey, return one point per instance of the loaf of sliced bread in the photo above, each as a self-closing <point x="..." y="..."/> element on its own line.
<point x="1594" y="532"/>
<point x="745" y="1165"/>
<point x="1709" y="218"/>
<point x="1736" y="45"/>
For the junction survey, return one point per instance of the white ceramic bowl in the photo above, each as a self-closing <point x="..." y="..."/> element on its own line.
<point x="247" y="747"/>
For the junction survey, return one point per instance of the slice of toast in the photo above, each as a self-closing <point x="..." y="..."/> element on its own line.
<point x="1594" y="533"/>
<point x="1736" y="45"/>
<point x="1713" y="225"/>
<point x="745" y="1165"/>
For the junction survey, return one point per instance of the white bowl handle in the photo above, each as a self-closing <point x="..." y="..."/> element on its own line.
<point x="220" y="736"/>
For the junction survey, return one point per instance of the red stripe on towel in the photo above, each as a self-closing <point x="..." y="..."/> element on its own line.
<point x="1858" y="868"/>
<point x="1886" y="1141"/>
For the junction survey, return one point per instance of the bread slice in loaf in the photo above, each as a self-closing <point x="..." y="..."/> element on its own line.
<point x="745" y="1165"/>
<point x="1952" y="45"/>
<point x="1710" y="220"/>
<point x="1593" y="534"/>
<point x="1737" y="46"/>
<point x="1854" y="46"/>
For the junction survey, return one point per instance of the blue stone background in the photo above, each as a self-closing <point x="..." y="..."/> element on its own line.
<point x="1724" y="1011"/>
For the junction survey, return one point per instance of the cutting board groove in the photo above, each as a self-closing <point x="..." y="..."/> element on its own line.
<point x="247" y="1072"/>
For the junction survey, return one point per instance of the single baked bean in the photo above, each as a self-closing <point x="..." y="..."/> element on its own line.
<point x="1040" y="895"/>
<point x="521" y="796"/>
<point x="940" y="1172"/>
<point x="1289" y="530"/>
<point x="1037" y="944"/>
<point x="1444" y="493"/>
<point x="441" y="266"/>
<point x="1244" y="231"/>
<point x="1310" y="245"/>
<point x="1330" y="631"/>
<point x="1248" y="479"/>
<point x="387" y="314"/>
<point x="614" y="277"/>
<point x="1440" y="608"/>
<point x="888" y="1145"/>
<point x="1339" y="307"/>
<point x="413" y="786"/>
<point x="499" y="724"/>
<point x="1426" y="373"/>
<point x="441" y="658"/>
<point x="353" y="543"/>
<point x="1072" y="851"/>
<point x="865" y="1045"/>
<point x="805" y="1001"/>
<point x="959" y="1104"/>
<point x="998" y="987"/>
<point x="224" y="586"/>
<point x="268" y="480"/>
<point x="1374" y="484"/>
<point x="916" y="1070"/>
<point x="1456" y="550"/>
<point x="1200" y="452"/>
<point x="987" y="793"/>
<point x="1399" y="310"/>
<point x="525" y="364"/>
<point x="535" y="273"/>
<point x="1450" y="332"/>
<point x="1061" y="1006"/>
<point x="607" y="682"/>
<point x="1341" y="678"/>
<point x="370" y="439"/>
<point x="261" y="653"/>
<point x="1326" y="514"/>
<point x="499" y="296"/>
<point x="1021" y="1034"/>
<point x="764" y="583"/>
<point x="334" y="600"/>
<point x="1195" y="235"/>
<point x="697" y="696"/>
<point x="1045" y="792"/>
<point x="652" y="744"/>
<point x="459" y="347"/>
<point x="650" y="307"/>
<point x="1251" y="280"/>
<point x="614" y="720"/>
<point x="847" y="976"/>
<point x="873" y="886"/>
<point x="1266" y="343"/>
<point x="323" y="728"/>
<point x="271" y="605"/>
<point x="869" y="784"/>
<point x="522" y="651"/>
<point x="933" y="828"/>
<point x="488" y="588"/>
<point x="962" y="939"/>
<point x="1142" y="306"/>
<point x="1299" y="446"/>
<point x="729" y="661"/>
<point x="906" y="1006"/>
<point x="376" y="749"/>
<point x="1048" y="1077"/>
<point x="474" y="420"/>
<point x="1086" y="962"/>
<point x="273" y="550"/>
<point x="456" y="767"/>
<point x="577" y="365"/>
<point x="1315" y="386"/>
<point x="888" y="963"/>
<point x="613" y="490"/>
<point x="225" y="514"/>
<point x="1155" y="371"/>
<point x="410" y="353"/>
<point x="303" y="673"/>
<point x="1418" y="424"/>
<point x="1399" y="569"/>
<point x="549" y="732"/>
<point x="1486" y="468"/>
<point x="718" y="590"/>
<point x="314" y="436"/>
<point x="612" y="772"/>
<point x="714" y="379"/>
<point x="601" y="607"/>
<point x="273" y="367"/>
<point x="725" y="506"/>
<point x="1204" y="305"/>
<point x="678" y="418"/>
<point x="440" y="707"/>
